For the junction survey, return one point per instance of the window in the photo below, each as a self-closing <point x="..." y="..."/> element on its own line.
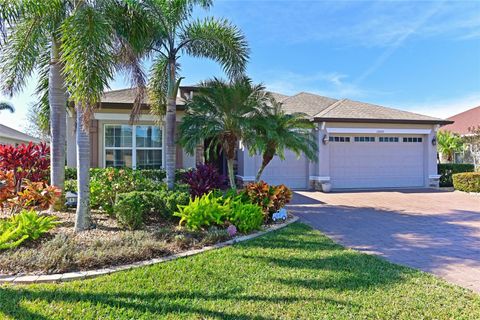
<point x="133" y="146"/>
<point x="364" y="139"/>
<point x="388" y="139"/>
<point x="412" y="139"/>
<point x="339" y="139"/>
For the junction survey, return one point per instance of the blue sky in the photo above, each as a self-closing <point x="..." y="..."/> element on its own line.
<point x="419" y="56"/>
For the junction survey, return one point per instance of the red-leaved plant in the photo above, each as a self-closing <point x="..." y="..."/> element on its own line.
<point x="204" y="179"/>
<point x="26" y="161"/>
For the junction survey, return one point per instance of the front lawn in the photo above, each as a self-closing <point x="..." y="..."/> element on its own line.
<point x="295" y="273"/>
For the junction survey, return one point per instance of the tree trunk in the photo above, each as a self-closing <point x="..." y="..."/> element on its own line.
<point x="267" y="157"/>
<point x="82" y="218"/>
<point x="170" y="122"/>
<point x="57" y="98"/>
<point x="231" y="175"/>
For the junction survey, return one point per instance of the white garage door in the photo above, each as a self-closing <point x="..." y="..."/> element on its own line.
<point x="377" y="161"/>
<point x="292" y="172"/>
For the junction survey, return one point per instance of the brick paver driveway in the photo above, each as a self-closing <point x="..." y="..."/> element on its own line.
<point x="435" y="231"/>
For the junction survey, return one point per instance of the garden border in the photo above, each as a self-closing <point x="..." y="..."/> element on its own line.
<point x="81" y="275"/>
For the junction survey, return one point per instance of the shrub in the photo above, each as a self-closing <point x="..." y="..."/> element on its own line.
<point x="203" y="211"/>
<point x="245" y="216"/>
<point x="131" y="209"/>
<point x="27" y="225"/>
<point x="71" y="185"/>
<point x="26" y="161"/>
<point x="446" y="170"/>
<point x="468" y="181"/>
<point x="269" y="198"/>
<point x="204" y="179"/>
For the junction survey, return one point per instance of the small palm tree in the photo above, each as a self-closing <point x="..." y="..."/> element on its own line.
<point x="223" y="112"/>
<point x="6" y="106"/>
<point x="276" y="131"/>
<point x="449" y="144"/>
<point x="175" y="32"/>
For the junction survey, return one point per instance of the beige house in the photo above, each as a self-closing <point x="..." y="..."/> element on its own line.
<point x="361" y="145"/>
<point x="11" y="136"/>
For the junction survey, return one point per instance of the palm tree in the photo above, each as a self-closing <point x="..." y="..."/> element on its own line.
<point x="99" y="38"/>
<point x="224" y="113"/>
<point x="30" y="40"/>
<point x="275" y="131"/>
<point x="176" y="32"/>
<point x="449" y="144"/>
<point x="6" y="106"/>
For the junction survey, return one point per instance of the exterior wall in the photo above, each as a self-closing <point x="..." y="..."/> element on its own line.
<point x="5" y="140"/>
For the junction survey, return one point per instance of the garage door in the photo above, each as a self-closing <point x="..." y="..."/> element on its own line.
<point x="377" y="161"/>
<point x="292" y="172"/>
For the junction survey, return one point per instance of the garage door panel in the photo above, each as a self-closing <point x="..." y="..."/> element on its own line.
<point x="293" y="171"/>
<point x="376" y="164"/>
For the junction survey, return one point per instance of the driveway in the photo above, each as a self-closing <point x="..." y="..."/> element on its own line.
<point x="434" y="231"/>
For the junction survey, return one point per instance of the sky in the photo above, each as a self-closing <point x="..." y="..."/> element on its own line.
<point x="420" y="56"/>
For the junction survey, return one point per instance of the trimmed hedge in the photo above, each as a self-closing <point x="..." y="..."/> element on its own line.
<point x="468" y="181"/>
<point x="446" y="170"/>
<point x="132" y="208"/>
<point x="153" y="174"/>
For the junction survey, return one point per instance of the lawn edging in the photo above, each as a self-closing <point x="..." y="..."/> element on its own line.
<point x="80" y="275"/>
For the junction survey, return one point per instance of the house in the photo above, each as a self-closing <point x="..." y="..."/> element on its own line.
<point x="361" y="145"/>
<point x="463" y="125"/>
<point x="11" y="136"/>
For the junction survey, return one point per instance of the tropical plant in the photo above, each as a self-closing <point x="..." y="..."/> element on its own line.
<point x="223" y="112"/>
<point x="204" y="211"/>
<point x="174" y="32"/>
<point x="276" y="131"/>
<point x="204" y="179"/>
<point x="448" y="144"/>
<point x="6" y="106"/>
<point x="245" y="216"/>
<point x="27" y="225"/>
<point x="269" y="198"/>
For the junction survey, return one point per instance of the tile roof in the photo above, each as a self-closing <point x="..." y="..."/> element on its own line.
<point x="127" y="96"/>
<point x="308" y="103"/>
<point x="464" y="121"/>
<point x="13" y="134"/>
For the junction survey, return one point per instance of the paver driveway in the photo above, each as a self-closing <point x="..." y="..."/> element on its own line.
<point x="435" y="231"/>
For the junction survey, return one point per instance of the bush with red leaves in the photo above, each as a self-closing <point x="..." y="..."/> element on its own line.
<point x="26" y="161"/>
<point x="204" y="179"/>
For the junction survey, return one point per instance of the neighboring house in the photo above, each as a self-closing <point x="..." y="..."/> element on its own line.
<point x="361" y="145"/>
<point x="464" y="123"/>
<point x="15" y="137"/>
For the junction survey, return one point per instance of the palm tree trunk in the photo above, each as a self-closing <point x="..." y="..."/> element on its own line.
<point x="57" y="97"/>
<point x="82" y="218"/>
<point x="267" y="157"/>
<point x="231" y="174"/>
<point x="170" y="122"/>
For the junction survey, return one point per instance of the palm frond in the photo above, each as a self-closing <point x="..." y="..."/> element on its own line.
<point x="7" y="106"/>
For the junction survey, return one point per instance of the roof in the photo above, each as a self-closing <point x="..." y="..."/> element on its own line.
<point x="464" y="121"/>
<point x="10" y="133"/>
<point x="317" y="107"/>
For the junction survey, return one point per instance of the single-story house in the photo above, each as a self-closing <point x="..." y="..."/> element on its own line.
<point x="463" y="125"/>
<point x="361" y="145"/>
<point x="11" y="136"/>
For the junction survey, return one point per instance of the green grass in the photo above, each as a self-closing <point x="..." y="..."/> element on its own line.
<point x="295" y="273"/>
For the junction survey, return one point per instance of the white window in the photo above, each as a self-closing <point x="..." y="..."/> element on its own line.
<point x="364" y="139"/>
<point x="138" y="146"/>
<point x="412" y="139"/>
<point x="388" y="139"/>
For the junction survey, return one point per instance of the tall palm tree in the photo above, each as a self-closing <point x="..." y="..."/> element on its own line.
<point x="223" y="112"/>
<point x="30" y="41"/>
<point x="6" y="106"/>
<point x="276" y="131"/>
<point x="176" y="32"/>
<point x="448" y="144"/>
<point x="99" y="38"/>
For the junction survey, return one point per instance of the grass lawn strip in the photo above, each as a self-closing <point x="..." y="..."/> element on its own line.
<point x="293" y="273"/>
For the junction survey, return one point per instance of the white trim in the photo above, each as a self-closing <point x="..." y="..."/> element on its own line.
<point x="121" y="116"/>
<point x="246" y="178"/>
<point x="318" y="178"/>
<point x="379" y="130"/>
<point x="434" y="176"/>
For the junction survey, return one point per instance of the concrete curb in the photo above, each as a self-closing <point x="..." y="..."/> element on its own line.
<point x="80" y="275"/>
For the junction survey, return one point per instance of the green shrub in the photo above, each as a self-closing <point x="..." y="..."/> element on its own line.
<point x="27" y="225"/>
<point x="446" y="170"/>
<point x="468" y="181"/>
<point x="131" y="209"/>
<point x="71" y="185"/>
<point x="70" y="173"/>
<point x="245" y="216"/>
<point x="204" y="211"/>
